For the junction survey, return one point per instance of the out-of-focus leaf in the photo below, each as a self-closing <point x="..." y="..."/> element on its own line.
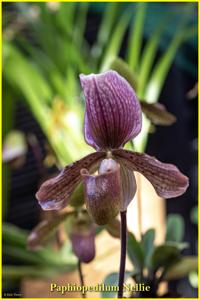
<point x="112" y="280"/>
<point x="22" y="255"/>
<point x="116" y="40"/>
<point x="8" y="107"/>
<point x="14" y="145"/>
<point x="43" y="257"/>
<point x="162" y="67"/>
<point x="157" y="113"/>
<point x="175" y="228"/>
<point x="194" y="215"/>
<point x="136" y="36"/>
<point x="39" y="84"/>
<point x="14" y="236"/>
<point x="65" y="16"/>
<point x="41" y="234"/>
<point x="113" y="228"/>
<point x="148" y="245"/>
<point x="80" y="23"/>
<point x="180" y="246"/>
<point x="18" y="272"/>
<point x="193" y="279"/>
<point x="165" y="256"/>
<point x="148" y="56"/>
<point x="186" y="265"/>
<point x="135" y="252"/>
<point x="124" y="70"/>
<point x="106" y="26"/>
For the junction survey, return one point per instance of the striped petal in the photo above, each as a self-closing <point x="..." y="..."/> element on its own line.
<point x="129" y="186"/>
<point x="103" y="192"/>
<point x="166" y="179"/>
<point x="54" y="194"/>
<point x="113" y="113"/>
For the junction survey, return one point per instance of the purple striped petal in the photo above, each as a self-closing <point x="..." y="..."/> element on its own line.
<point x="129" y="186"/>
<point x="103" y="192"/>
<point x="54" y="194"/>
<point x="113" y="113"/>
<point x="166" y="179"/>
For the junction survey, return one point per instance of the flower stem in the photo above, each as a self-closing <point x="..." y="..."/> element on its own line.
<point x="123" y="236"/>
<point x="81" y="276"/>
<point x="139" y="203"/>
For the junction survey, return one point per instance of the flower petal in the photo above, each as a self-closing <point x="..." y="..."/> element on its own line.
<point x="157" y="113"/>
<point x="42" y="233"/>
<point x="55" y="193"/>
<point x="128" y="186"/>
<point x="113" y="113"/>
<point x="167" y="180"/>
<point x="103" y="192"/>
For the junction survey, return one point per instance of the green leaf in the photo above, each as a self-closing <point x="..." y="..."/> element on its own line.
<point x="148" y="56"/>
<point x="112" y="280"/>
<point x="182" y="268"/>
<point x="80" y="24"/>
<point x="116" y="40"/>
<point x="148" y="245"/>
<point x="65" y="17"/>
<point x="124" y="70"/>
<point x="165" y="256"/>
<point x="175" y="228"/>
<point x="12" y="235"/>
<point x="8" y="108"/>
<point x="162" y="67"/>
<point x="18" y="272"/>
<point x="135" y="252"/>
<point x="136" y="36"/>
<point x="106" y="26"/>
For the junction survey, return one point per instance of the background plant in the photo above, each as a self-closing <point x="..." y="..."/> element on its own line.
<point x="45" y="48"/>
<point x="154" y="264"/>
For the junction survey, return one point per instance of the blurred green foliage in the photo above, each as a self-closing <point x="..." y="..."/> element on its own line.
<point x="153" y="264"/>
<point x="45" y="48"/>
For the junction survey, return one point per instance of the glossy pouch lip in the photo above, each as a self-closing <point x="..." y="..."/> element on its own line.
<point x="103" y="194"/>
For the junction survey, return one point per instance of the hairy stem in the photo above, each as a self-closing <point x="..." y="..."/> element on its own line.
<point x="123" y="236"/>
<point x="81" y="276"/>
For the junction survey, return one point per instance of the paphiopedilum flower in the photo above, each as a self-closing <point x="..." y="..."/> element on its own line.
<point x="112" y="117"/>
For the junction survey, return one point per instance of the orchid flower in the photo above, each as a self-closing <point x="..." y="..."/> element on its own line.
<point x="112" y="118"/>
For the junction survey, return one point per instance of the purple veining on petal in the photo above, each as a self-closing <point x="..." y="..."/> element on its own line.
<point x="129" y="186"/>
<point x="113" y="113"/>
<point x="54" y="194"/>
<point x="166" y="179"/>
